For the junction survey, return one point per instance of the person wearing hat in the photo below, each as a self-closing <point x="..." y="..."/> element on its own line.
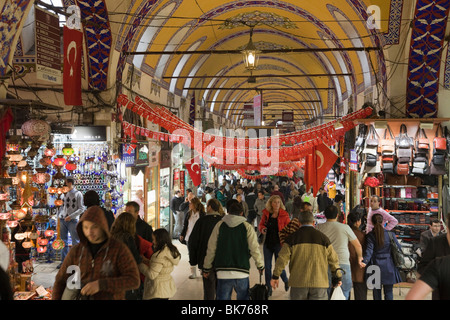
<point x="69" y="214"/>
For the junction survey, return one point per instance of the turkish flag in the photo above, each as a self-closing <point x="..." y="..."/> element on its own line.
<point x="72" y="67"/>
<point x="194" y="169"/>
<point x="317" y="165"/>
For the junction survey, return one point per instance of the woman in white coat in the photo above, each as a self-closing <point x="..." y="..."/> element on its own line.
<point x="159" y="283"/>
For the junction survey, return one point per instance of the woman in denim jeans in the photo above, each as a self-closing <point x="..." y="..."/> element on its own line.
<point x="274" y="219"/>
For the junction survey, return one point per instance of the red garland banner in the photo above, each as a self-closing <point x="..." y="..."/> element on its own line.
<point x="245" y="153"/>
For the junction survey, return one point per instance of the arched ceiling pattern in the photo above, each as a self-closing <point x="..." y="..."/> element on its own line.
<point x="303" y="80"/>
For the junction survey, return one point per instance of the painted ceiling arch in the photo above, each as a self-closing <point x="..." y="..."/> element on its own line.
<point x="169" y="25"/>
<point x="220" y="24"/>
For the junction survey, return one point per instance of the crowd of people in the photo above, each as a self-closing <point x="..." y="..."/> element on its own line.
<point x="224" y="228"/>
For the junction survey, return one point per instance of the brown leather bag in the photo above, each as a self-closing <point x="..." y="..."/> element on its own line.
<point x="402" y="168"/>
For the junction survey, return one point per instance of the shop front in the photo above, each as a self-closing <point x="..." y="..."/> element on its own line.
<point x="33" y="182"/>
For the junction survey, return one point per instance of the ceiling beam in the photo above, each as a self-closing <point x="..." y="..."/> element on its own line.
<point x="264" y="102"/>
<point x="264" y="51"/>
<point x="258" y="89"/>
<point x="264" y="76"/>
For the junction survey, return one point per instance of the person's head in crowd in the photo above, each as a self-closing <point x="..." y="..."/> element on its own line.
<point x="331" y="212"/>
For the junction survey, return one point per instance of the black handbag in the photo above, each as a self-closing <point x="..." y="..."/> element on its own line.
<point x="438" y="159"/>
<point x="403" y="140"/>
<point x="371" y="160"/>
<point x="259" y="291"/>
<point x="396" y="252"/>
<point x="422" y="192"/>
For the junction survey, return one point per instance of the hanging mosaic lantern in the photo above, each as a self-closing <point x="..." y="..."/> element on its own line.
<point x="45" y="161"/>
<point x="49" y="151"/>
<point x="15" y="157"/>
<point x="59" y="202"/>
<point x="68" y="150"/>
<point x="49" y="233"/>
<point x="71" y="166"/>
<point x="41" y="177"/>
<point x="36" y="128"/>
<point x="59" y="161"/>
<point x="42" y="249"/>
<point x="4" y="215"/>
<point x="42" y="241"/>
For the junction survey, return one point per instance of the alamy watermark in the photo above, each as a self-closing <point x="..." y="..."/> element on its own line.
<point x="374" y="19"/>
<point x="259" y="147"/>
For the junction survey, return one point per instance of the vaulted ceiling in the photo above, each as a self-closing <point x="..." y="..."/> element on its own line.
<point x="311" y="59"/>
<point x="312" y="82"/>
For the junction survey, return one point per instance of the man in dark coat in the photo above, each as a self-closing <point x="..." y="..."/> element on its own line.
<point x="438" y="246"/>
<point x="198" y="243"/>
<point x="143" y="229"/>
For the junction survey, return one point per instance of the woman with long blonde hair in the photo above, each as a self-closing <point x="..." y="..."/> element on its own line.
<point x="274" y="219"/>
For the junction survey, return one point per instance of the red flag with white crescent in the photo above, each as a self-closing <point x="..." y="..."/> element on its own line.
<point x="72" y="67"/>
<point x="325" y="159"/>
<point x="194" y="168"/>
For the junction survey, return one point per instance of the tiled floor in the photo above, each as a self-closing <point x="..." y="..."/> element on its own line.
<point x="190" y="289"/>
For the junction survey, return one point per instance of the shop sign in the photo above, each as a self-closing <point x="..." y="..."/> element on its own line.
<point x="142" y="155"/>
<point x="89" y="133"/>
<point x="182" y="184"/>
<point x="353" y="160"/>
<point x="48" y="46"/>
<point x="128" y="158"/>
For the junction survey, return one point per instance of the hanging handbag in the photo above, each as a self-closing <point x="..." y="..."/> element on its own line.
<point x="387" y="145"/>
<point x="359" y="143"/>
<point x="439" y="159"/>
<point x="403" y="140"/>
<point x="422" y="143"/>
<point x="388" y="167"/>
<point x="372" y="138"/>
<point x="402" y="169"/>
<point x="396" y="252"/>
<point x="437" y="170"/>
<point x="439" y="141"/>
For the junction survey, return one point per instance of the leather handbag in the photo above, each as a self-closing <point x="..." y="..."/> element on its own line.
<point x="359" y="143"/>
<point x="388" y="167"/>
<point x="403" y="140"/>
<point x="439" y="141"/>
<point x="422" y="192"/>
<point x="439" y="159"/>
<point x="402" y="169"/>
<point x="404" y="153"/>
<point x="371" y="160"/>
<point x="421" y="141"/>
<point x="372" y="138"/>
<point x="387" y="145"/>
<point x="437" y="170"/>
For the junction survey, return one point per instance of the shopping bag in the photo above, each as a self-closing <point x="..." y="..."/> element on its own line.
<point x="337" y="294"/>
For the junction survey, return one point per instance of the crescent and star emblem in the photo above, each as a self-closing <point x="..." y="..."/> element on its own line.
<point x="320" y="155"/>
<point x="193" y="165"/>
<point x="72" y="45"/>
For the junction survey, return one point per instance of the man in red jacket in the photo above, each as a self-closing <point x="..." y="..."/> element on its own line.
<point x="106" y="267"/>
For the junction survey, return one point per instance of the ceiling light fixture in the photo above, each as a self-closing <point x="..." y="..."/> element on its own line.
<point x="251" y="57"/>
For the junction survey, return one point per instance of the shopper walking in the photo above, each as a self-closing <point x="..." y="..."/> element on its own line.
<point x="196" y="211"/>
<point x="124" y="230"/>
<point x="198" y="245"/>
<point x="274" y="219"/>
<point x="438" y="246"/>
<point x="309" y="253"/>
<point x="354" y="219"/>
<point x="341" y="236"/>
<point x="159" y="284"/>
<point x="107" y="267"/>
<point x="230" y="246"/>
<point x="378" y="253"/>
<point x="142" y="228"/>
<point x="68" y="216"/>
